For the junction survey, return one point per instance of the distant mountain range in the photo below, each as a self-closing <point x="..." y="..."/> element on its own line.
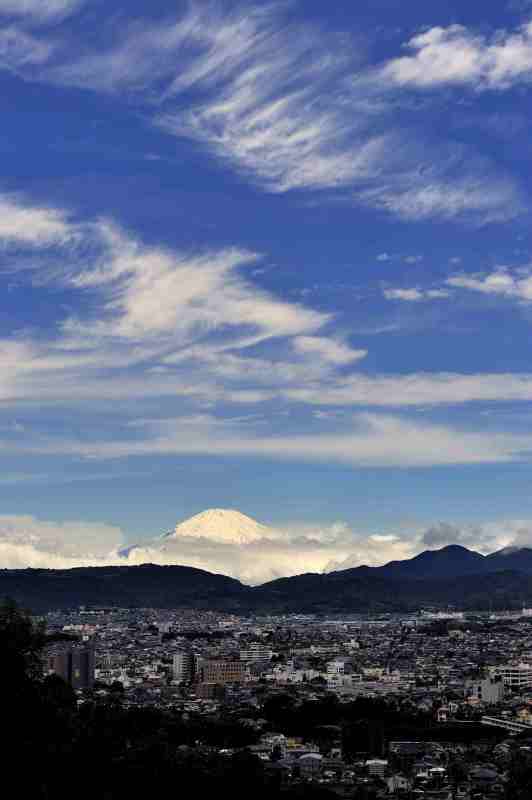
<point x="455" y="561"/>
<point x="453" y="575"/>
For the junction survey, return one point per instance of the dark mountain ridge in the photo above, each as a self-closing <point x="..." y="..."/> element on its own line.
<point x="147" y="586"/>
<point x="452" y="561"/>
<point x="453" y="575"/>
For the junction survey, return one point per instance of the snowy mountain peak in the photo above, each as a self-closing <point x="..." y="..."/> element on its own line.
<point x="221" y="525"/>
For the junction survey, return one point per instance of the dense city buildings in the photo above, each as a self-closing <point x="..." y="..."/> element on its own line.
<point x="455" y="688"/>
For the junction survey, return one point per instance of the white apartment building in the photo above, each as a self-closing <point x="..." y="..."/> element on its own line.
<point x="256" y="654"/>
<point x="515" y="676"/>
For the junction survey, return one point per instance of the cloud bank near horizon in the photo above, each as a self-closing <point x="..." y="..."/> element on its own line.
<point x="289" y="550"/>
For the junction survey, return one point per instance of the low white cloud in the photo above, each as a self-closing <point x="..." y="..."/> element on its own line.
<point x="414" y="294"/>
<point x="485" y="537"/>
<point x="457" y="55"/>
<point x="507" y="283"/>
<point x="26" y="541"/>
<point x="410" y="295"/>
<point x="286" y="550"/>
<point x="31" y="225"/>
<point x="331" y="350"/>
<point x="514" y="283"/>
<point x="285" y="553"/>
<point x="289" y="550"/>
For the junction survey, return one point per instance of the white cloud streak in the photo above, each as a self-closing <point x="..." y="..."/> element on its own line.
<point x="32" y="226"/>
<point x="484" y="198"/>
<point x="512" y="283"/>
<point x="194" y="330"/>
<point x="20" y="50"/>
<point x="418" y="389"/>
<point x="370" y="441"/>
<point x="332" y="350"/>
<point x="39" y="10"/>
<point x="414" y="294"/>
<point x="515" y="284"/>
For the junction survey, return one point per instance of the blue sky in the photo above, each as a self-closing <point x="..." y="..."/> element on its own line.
<point x="271" y="257"/>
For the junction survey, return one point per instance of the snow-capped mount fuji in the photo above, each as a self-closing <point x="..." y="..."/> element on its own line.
<point x="223" y="525"/>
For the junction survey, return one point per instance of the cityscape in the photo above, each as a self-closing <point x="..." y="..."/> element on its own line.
<point x="283" y="688"/>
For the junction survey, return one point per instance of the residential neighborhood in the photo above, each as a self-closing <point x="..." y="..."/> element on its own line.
<point x="430" y="705"/>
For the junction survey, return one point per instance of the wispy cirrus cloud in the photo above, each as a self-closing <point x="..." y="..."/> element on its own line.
<point x="193" y="331"/>
<point x="39" y="10"/>
<point x="286" y="106"/>
<point x="433" y="194"/>
<point x="417" y="389"/>
<point x="20" y="50"/>
<point x="264" y="95"/>
<point x="365" y="440"/>
<point x="183" y="318"/>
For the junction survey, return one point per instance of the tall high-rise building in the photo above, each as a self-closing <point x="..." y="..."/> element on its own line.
<point x="184" y="666"/>
<point x="74" y="663"/>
